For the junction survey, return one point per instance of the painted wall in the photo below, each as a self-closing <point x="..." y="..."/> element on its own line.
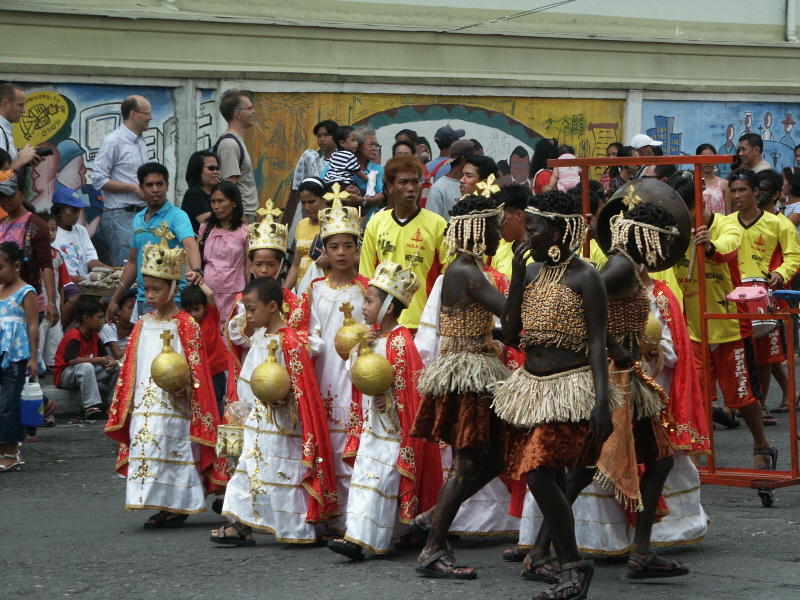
<point x="284" y="125"/>
<point x="684" y="125"/>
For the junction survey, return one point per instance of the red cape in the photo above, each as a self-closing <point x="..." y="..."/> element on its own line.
<point x="685" y="398"/>
<point x="419" y="462"/>
<point x="320" y="479"/>
<point x="205" y="416"/>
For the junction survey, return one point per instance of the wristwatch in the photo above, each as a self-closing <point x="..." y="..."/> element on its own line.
<point x="364" y="203"/>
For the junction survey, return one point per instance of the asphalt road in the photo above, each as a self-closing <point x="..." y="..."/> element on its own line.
<point x="64" y="533"/>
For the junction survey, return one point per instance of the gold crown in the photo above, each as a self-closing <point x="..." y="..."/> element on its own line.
<point x="396" y="281"/>
<point x="159" y="260"/>
<point x="338" y="218"/>
<point x="268" y="233"/>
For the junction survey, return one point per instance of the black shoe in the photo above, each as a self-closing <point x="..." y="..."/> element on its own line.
<point x="723" y="419"/>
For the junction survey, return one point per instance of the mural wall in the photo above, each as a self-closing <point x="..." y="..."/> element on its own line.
<point x="684" y="125"/>
<point x="508" y="128"/>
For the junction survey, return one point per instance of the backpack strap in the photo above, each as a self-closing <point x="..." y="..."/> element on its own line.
<point x="230" y="136"/>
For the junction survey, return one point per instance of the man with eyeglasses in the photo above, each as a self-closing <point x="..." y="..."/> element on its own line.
<point x="768" y="249"/>
<point x="751" y="148"/>
<point x="234" y="160"/>
<point x="121" y="154"/>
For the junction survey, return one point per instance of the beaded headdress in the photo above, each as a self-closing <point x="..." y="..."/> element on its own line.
<point x="647" y="237"/>
<point x="471" y="228"/>
<point x="159" y="260"/>
<point x="338" y="218"/>
<point x="575" y="231"/>
<point x="268" y="234"/>
<point x="396" y="281"/>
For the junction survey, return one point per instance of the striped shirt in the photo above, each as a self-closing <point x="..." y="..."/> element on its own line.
<point x="121" y="154"/>
<point x="342" y="166"/>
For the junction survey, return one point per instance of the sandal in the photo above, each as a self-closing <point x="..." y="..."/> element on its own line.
<point x="643" y="567"/>
<point x="769" y="463"/>
<point x="92" y="413"/>
<point x="409" y="542"/>
<point x="448" y="561"/>
<point x="514" y="555"/>
<point x="240" y="540"/>
<point x="349" y="549"/>
<point x="163" y="520"/>
<point x="768" y="419"/>
<point x="581" y="587"/>
<point x="15" y="466"/>
<point x="546" y="563"/>
<point x="783" y="408"/>
<point x="722" y="418"/>
<point x="418" y="530"/>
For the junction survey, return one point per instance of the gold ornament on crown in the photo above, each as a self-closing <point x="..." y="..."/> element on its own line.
<point x="646" y="237"/>
<point x="338" y="218"/>
<point x="159" y="260"/>
<point x="268" y="234"/>
<point x="397" y="281"/>
<point x="631" y="199"/>
<point x="488" y="187"/>
<point x="575" y="231"/>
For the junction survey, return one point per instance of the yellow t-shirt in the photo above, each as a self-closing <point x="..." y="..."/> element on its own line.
<point x="303" y="238"/>
<point x="768" y="244"/>
<point x="671" y="280"/>
<point x="501" y="261"/>
<point x="596" y="254"/>
<point x="388" y="239"/>
<point x="722" y="275"/>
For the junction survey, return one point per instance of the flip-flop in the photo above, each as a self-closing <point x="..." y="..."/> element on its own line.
<point x="345" y="548"/>
<point x="719" y="416"/>
<point x="240" y="540"/>
<point x="163" y="522"/>
<point x="783" y="408"/>
<point x="515" y="555"/>
<point x="767" y="418"/>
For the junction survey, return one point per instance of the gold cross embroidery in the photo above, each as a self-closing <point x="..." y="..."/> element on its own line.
<point x="488" y="187"/>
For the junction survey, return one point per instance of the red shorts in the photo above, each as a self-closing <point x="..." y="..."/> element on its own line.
<point x="736" y="360"/>
<point x="771" y="348"/>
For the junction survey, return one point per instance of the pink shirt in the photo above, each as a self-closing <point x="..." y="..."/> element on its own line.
<point x="225" y="253"/>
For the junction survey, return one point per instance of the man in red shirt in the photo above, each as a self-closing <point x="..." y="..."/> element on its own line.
<point x="82" y="361"/>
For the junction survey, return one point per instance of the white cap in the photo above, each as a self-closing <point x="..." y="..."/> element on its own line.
<point x="641" y="140"/>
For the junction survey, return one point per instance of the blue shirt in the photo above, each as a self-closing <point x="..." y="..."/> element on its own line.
<point x="178" y="223"/>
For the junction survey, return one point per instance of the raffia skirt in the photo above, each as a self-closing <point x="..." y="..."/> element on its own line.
<point x="463" y="421"/>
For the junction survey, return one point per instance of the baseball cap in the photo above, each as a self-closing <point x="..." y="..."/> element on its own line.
<point x="461" y="148"/>
<point x="641" y="140"/>
<point x="9" y="182"/>
<point x="68" y="197"/>
<point x="447" y="135"/>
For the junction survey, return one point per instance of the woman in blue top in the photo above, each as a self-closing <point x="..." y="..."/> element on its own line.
<point x="19" y="349"/>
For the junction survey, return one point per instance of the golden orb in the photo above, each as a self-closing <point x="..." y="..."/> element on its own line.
<point x="270" y="381"/>
<point x="371" y="373"/>
<point x="346" y="337"/>
<point x="169" y="370"/>
<point x="652" y="334"/>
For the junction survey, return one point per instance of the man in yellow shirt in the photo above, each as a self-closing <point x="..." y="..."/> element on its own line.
<point x="514" y="198"/>
<point x="406" y="232"/>
<point x="769" y="249"/>
<point x="732" y="352"/>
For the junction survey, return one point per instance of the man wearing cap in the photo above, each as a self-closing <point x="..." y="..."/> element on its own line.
<point x="751" y="147"/>
<point x="444" y="138"/>
<point x="72" y="239"/>
<point x="446" y="191"/>
<point x="644" y="144"/>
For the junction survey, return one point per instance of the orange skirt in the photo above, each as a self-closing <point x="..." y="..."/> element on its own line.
<point x="460" y="420"/>
<point x="650" y="440"/>
<point x="554" y="445"/>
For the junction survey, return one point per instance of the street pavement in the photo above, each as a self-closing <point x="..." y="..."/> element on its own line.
<point x="64" y="533"/>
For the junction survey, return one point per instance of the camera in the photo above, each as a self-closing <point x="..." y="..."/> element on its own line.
<point x="44" y="151"/>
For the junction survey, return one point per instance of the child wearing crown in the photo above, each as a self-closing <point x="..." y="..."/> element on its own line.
<point x="166" y="438"/>
<point x="267" y="245"/>
<point x="284" y="482"/>
<point x="391" y="470"/>
<point x="318" y="318"/>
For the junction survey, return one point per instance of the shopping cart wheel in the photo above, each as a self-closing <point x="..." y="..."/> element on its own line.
<point x="767" y="499"/>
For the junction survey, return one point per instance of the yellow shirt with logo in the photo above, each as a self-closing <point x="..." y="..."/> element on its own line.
<point x="386" y="238"/>
<point x="721" y="274"/>
<point x="768" y="244"/>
